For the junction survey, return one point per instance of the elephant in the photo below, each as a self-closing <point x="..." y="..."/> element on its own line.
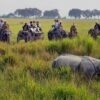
<point x="58" y="34"/>
<point x="29" y="36"/>
<point x="5" y="35"/>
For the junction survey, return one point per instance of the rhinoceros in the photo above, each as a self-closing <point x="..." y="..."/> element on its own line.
<point x="67" y="60"/>
<point x="90" y="66"/>
<point x="87" y="65"/>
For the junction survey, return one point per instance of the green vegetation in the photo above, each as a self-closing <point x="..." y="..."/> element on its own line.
<point x="26" y="68"/>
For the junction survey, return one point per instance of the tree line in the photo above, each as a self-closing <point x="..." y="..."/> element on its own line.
<point x="54" y="13"/>
<point x="78" y="13"/>
<point x="33" y="12"/>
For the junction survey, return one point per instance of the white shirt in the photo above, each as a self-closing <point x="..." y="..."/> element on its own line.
<point x="56" y="24"/>
<point x="1" y="24"/>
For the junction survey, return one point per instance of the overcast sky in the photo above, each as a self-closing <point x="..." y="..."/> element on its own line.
<point x="63" y="6"/>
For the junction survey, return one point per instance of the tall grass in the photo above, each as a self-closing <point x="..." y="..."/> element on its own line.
<point x="26" y="72"/>
<point x="26" y="68"/>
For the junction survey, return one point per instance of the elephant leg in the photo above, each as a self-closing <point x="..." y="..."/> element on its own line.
<point x="18" y="39"/>
<point x="94" y="36"/>
<point x="8" y="39"/>
<point x="27" y="38"/>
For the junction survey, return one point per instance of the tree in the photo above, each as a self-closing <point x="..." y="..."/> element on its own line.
<point x="86" y="13"/>
<point x="28" y="12"/>
<point x="95" y="13"/>
<point x="51" y="14"/>
<point x="76" y="13"/>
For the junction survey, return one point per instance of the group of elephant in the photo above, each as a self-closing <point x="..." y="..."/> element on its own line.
<point x="52" y="34"/>
<point x="31" y="36"/>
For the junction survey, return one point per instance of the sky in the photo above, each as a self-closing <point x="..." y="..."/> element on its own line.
<point x="7" y="6"/>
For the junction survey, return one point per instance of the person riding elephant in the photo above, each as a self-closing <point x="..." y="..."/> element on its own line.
<point x="73" y="31"/>
<point x="34" y="24"/>
<point x="1" y="23"/>
<point x="30" y="32"/>
<point x="61" y="27"/>
<point x="97" y="28"/>
<point x="38" y="27"/>
<point x="5" y="33"/>
<point x="31" y="27"/>
<point x="30" y="24"/>
<point x="73" y="28"/>
<point x="57" y="31"/>
<point x="25" y="27"/>
<point x="5" y="26"/>
<point x="57" y="25"/>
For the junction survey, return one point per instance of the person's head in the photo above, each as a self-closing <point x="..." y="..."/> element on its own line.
<point x="5" y="25"/>
<point x="60" y="23"/>
<point x="1" y="20"/>
<point x="5" y="22"/>
<point x="25" y="24"/>
<point x="56" y="20"/>
<point x="53" y="26"/>
<point x="73" y="24"/>
<point x="37" y="22"/>
<point x="34" y="22"/>
<point x="31" y="22"/>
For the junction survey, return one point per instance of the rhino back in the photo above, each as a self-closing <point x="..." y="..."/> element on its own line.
<point x="67" y="60"/>
<point x="95" y="61"/>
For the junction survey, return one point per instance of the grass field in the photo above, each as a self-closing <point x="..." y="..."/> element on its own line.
<point x="26" y="72"/>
